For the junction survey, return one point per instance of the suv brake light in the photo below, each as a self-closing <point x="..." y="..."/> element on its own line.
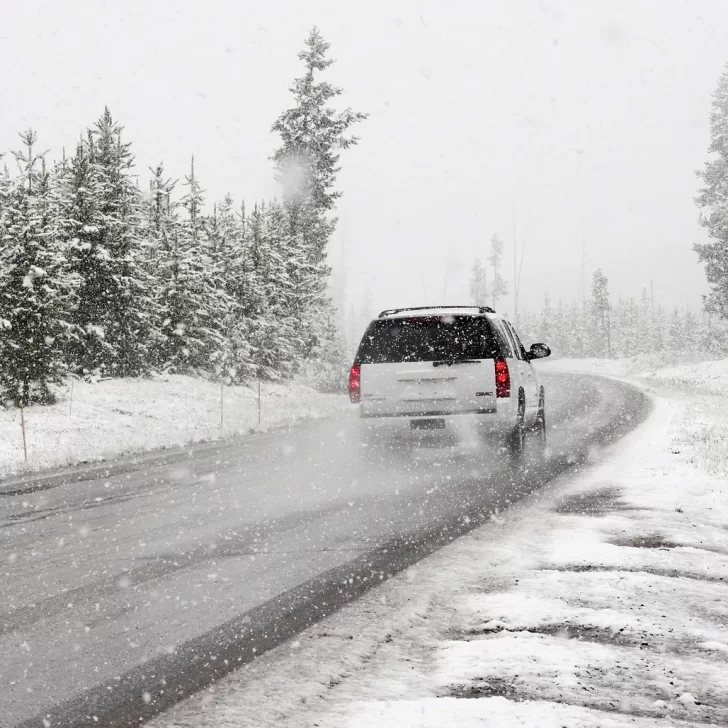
<point x="355" y="384"/>
<point x="502" y="379"/>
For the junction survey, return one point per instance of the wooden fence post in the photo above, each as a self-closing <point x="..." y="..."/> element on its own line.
<point x="22" y="427"/>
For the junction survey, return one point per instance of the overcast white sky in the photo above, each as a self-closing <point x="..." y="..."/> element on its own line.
<point x="592" y="115"/>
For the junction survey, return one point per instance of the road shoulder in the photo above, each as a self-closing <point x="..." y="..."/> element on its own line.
<point x="120" y="426"/>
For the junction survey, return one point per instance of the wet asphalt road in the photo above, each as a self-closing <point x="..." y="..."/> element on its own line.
<point x="123" y="594"/>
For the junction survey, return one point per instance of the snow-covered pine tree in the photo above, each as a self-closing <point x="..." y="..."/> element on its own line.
<point x="312" y="135"/>
<point x="689" y="332"/>
<point x="128" y="328"/>
<point x="102" y="221"/>
<point x="529" y="327"/>
<point x="222" y="237"/>
<point x="193" y="303"/>
<point x="277" y="338"/>
<point x="659" y="330"/>
<point x="620" y="320"/>
<point x="240" y="286"/>
<point x="559" y="338"/>
<point x="711" y="334"/>
<point x="546" y="321"/>
<point x="80" y="221"/>
<point x="478" y="284"/>
<point x="245" y="287"/>
<point x="160" y="206"/>
<point x="225" y="236"/>
<point x="633" y="344"/>
<point x="713" y="202"/>
<point x="499" y="287"/>
<point x="36" y="288"/>
<point x="578" y="330"/>
<point x="645" y="325"/>
<point x="599" y="316"/>
<point x="162" y="229"/>
<point x="675" y="332"/>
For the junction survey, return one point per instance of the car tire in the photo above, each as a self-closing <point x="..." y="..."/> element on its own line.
<point x="541" y="419"/>
<point x="517" y="437"/>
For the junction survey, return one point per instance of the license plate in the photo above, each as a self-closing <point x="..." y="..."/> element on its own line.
<point x="427" y="424"/>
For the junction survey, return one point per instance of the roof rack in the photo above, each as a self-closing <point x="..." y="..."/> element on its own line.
<point x="391" y="311"/>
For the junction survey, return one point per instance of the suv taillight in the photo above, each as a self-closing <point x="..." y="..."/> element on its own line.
<point x="502" y="379"/>
<point x="355" y="384"/>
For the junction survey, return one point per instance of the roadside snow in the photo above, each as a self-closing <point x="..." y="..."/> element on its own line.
<point x="618" y="368"/>
<point x="695" y="377"/>
<point x="701" y="387"/>
<point x="121" y="416"/>
<point x="598" y="601"/>
<point x="710" y="377"/>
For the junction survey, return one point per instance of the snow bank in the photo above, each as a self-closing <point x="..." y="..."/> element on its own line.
<point x="710" y="377"/>
<point x="676" y="369"/>
<point x="702" y="385"/>
<point x="97" y="421"/>
<point x="605" y="367"/>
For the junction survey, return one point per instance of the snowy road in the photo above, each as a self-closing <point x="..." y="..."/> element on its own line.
<point x="122" y="595"/>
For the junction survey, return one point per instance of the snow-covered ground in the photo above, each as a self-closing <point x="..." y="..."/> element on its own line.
<point x="96" y="421"/>
<point x="601" y="600"/>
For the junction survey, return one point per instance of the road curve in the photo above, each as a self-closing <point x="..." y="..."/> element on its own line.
<point x="125" y="594"/>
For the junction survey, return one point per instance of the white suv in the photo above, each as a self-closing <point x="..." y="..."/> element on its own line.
<point x="442" y="367"/>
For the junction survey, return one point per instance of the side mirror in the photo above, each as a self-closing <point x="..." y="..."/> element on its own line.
<point x="538" y="351"/>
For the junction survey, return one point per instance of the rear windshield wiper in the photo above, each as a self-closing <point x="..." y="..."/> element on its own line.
<point x="450" y="362"/>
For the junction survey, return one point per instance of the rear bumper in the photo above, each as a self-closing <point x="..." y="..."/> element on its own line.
<point x="422" y="415"/>
<point x="498" y="420"/>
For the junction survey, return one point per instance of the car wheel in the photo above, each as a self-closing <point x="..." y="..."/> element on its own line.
<point x="517" y="438"/>
<point x="541" y="419"/>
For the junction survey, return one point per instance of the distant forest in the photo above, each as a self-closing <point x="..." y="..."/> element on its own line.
<point x="627" y="328"/>
<point x="598" y="327"/>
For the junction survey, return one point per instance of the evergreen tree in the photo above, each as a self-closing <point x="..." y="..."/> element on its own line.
<point x="498" y="287"/>
<point x="102" y="221"/>
<point x="312" y="135"/>
<point x="222" y="238"/>
<point x="659" y="330"/>
<point x="632" y="323"/>
<point x="276" y="332"/>
<point x="600" y="334"/>
<point x="546" y="324"/>
<point x="36" y="288"/>
<point x="620" y="328"/>
<point x="713" y="201"/>
<point x="240" y="284"/>
<point x="192" y="299"/>
<point x="162" y="232"/>
<point x="160" y="208"/>
<point x="558" y="337"/>
<point x="710" y="340"/>
<point x="690" y="332"/>
<point x="578" y="331"/>
<point x="478" y="288"/>
<point x="675" y="332"/>
<point x="645" y="328"/>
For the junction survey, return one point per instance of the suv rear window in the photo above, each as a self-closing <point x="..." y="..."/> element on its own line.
<point x="427" y="338"/>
